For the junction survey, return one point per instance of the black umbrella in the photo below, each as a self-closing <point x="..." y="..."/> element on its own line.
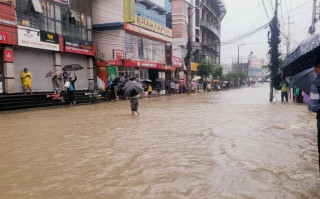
<point x="120" y="79"/>
<point x="131" y="88"/>
<point x="303" y="57"/>
<point x="72" y="67"/>
<point x="304" y="79"/>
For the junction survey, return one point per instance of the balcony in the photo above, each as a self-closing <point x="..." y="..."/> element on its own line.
<point x="211" y="27"/>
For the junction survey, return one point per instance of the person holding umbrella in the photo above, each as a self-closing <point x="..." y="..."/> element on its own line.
<point x="315" y="104"/>
<point x="69" y="85"/>
<point x="132" y="89"/>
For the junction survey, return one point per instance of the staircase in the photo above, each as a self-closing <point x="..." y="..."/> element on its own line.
<point x="20" y="101"/>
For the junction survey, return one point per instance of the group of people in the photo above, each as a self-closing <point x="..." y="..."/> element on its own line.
<point x="69" y="85"/>
<point x="286" y="92"/>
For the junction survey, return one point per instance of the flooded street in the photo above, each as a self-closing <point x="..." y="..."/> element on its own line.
<point x="230" y="144"/>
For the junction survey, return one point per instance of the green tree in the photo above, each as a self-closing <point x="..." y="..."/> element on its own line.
<point x="218" y="73"/>
<point x="205" y="68"/>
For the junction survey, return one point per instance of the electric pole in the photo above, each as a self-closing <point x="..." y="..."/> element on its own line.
<point x="274" y="50"/>
<point x="312" y="28"/>
<point x="188" y="58"/>
<point x="289" y="35"/>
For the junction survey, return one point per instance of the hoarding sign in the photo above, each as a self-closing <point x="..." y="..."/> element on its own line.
<point x="177" y="62"/>
<point x="8" y="56"/>
<point x="256" y="63"/>
<point x="142" y="64"/>
<point x="78" y="46"/>
<point x="30" y="37"/>
<point x="146" y="33"/>
<point x="4" y="38"/>
<point x="128" y="11"/>
<point x="115" y="62"/>
<point x="111" y="74"/>
<point x="118" y="54"/>
<point x="49" y="37"/>
<point x="150" y="25"/>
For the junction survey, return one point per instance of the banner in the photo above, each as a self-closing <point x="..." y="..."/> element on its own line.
<point x="128" y="11"/>
<point x="150" y="25"/>
<point x="49" y="37"/>
<point x="30" y="37"/>
<point x="256" y="63"/>
<point x="77" y="46"/>
<point x="118" y="54"/>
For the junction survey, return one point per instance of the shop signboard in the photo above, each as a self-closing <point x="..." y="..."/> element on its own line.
<point x="177" y="62"/>
<point x="30" y="37"/>
<point x="112" y="74"/>
<point x="76" y="46"/>
<point x="128" y="11"/>
<point x="4" y="38"/>
<point x="150" y="25"/>
<point x="118" y="54"/>
<point x="100" y="56"/>
<point x="146" y="33"/>
<point x="49" y="37"/>
<point x="142" y="64"/>
<point x="8" y="56"/>
<point x="115" y="62"/>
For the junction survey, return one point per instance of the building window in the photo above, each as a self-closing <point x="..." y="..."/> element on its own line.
<point x="36" y="6"/>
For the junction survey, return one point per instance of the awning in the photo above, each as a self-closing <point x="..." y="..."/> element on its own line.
<point x="37" y="6"/>
<point x="75" y="15"/>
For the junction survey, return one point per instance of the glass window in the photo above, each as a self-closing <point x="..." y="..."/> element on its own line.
<point x="58" y="12"/>
<point x="58" y="27"/>
<point x="51" y="25"/>
<point x="75" y="15"/>
<point x="89" y="35"/>
<point x="89" y="25"/>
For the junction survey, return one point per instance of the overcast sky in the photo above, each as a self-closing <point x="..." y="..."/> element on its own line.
<point x="245" y="16"/>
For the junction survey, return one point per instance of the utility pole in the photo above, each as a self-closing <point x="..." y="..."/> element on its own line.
<point x="188" y="58"/>
<point x="289" y="35"/>
<point x="274" y="50"/>
<point x="312" y="28"/>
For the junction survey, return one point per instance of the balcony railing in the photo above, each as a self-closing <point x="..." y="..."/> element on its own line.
<point x="211" y="27"/>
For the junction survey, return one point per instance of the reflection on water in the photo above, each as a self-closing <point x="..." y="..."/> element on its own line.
<point x="232" y="144"/>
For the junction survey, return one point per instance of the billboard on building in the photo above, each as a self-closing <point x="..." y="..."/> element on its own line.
<point x="256" y="63"/>
<point x="159" y="2"/>
<point x="150" y="25"/>
<point x="34" y="38"/>
<point x="128" y="11"/>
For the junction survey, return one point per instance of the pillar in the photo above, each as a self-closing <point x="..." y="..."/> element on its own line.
<point x="90" y="74"/>
<point x="57" y="67"/>
<point x="9" y="82"/>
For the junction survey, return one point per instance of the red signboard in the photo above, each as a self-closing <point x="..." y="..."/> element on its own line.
<point x="118" y="54"/>
<point x="115" y="62"/>
<point x="3" y="38"/>
<point x="142" y="64"/>
<point x="79" y="51"/>
<point x="8" y="56"/>
<point x="177" y="62"/>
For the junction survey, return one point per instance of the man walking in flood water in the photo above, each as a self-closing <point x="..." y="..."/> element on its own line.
<point x="315" y="105"/>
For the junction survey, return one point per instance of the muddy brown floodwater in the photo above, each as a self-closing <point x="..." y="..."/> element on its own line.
<point x="230" y="144"/>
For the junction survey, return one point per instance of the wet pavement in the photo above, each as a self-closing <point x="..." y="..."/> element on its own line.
<point x="229" y="144"/>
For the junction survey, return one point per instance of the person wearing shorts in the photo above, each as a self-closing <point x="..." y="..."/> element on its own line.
<point x="134" y="102"/>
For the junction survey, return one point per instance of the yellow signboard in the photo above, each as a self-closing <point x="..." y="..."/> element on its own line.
<point x="194" y="66"/>
<point x="128" y="11"/>
<point x="150" y="25"/>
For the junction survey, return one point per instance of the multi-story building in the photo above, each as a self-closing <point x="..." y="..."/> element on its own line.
<point x="208" y="29"/>
<point x="8" y="39"/>
<point x="50" y="34"/>
<point x="203" y="18"/>
<point x="135" y="39"/>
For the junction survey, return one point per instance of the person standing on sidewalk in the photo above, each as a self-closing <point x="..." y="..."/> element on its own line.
<point x="26" y="77"/>
<point x="284" y="89"/>
<point x="315" y="104"/>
